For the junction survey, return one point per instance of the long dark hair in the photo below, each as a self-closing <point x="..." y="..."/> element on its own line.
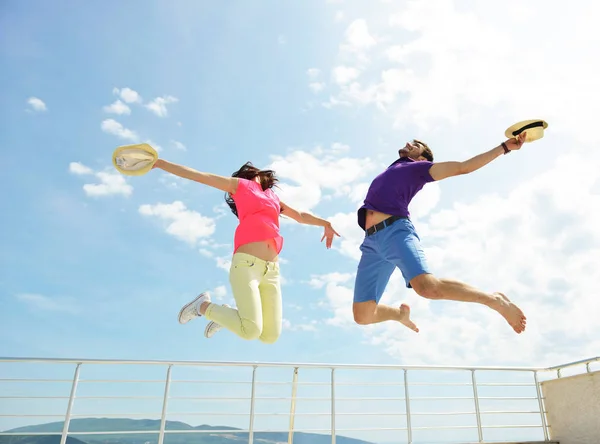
<point x="249" y="171"/>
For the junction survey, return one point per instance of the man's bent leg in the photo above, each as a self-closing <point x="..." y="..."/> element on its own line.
<point x="369" y="312"/>
<point x="430" y="287"/>
<point x="372" y="276"/>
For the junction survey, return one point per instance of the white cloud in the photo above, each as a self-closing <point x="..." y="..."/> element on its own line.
<point x="154" y="145"/>
<point x="313" y="73"/>
<point x="117" y="107"/>
<point x="344" y="74"/>
<point x="111" y="183"/>
<point x="113" y="127"/>
<point x="219" y="293"/>
<point x="40" y="302"/>
<point x="338" y="296"/>
<point x="358" y="37"/>
<point x="37" y="104"/>
<point x="310" y="326"/>
<point x="79" y="168"/>
<point x="186" y="225"/>
<point x="205" y="252"/>
<point x="172" y="181"/>
<point x="339" y="16"/>
<point x="316" y="172"/>
<point x="316" y="86"/>
<point x="446" y="60"/>
<point x="128" y="95"/>
<point x="338" y="147"/>
<point x="178" y="145"/>
<point x="224" y="263"/>
<point x="159" y="105"/>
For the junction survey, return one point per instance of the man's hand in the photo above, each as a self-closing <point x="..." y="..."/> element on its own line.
<point x="329" y="233"/>
<point x="516" y="143"/>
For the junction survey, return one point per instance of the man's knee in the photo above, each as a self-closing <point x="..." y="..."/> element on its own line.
<point x="364" y="312"/>
<point x="427" y="286"/>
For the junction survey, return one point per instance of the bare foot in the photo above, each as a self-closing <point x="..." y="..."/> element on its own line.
<point x="405" y="318"/>
<point x="513" y="314"/>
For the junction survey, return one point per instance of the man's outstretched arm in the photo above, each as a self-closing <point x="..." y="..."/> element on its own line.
<point x="444" y="170"/>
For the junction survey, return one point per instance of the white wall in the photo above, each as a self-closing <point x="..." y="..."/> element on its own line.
<point x="573" y="408"/>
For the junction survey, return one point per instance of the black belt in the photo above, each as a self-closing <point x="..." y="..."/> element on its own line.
<point x="384" y="223"/>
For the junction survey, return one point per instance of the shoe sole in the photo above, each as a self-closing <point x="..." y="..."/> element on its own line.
<point x="187" y="305"/>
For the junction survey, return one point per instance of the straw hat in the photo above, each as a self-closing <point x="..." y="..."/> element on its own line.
<point x="535" y="129"/>
<point x="134" y="160"/>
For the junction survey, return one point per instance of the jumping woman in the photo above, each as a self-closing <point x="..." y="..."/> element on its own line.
<point x="254" y="273"/>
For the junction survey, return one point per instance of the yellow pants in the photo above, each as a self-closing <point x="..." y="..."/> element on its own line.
<point x="256" y="289"/>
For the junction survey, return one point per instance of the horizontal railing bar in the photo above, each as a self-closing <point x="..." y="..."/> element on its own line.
<point x="191" y="381"/>
<point x="194" y="431"/>
<point x="33" y="380"/>
<point x="153" y="381"/>
<point x="260" y="364"/>
<point x="116" y="415"/>
<point x="197" y="381"/>
<point x="119" y="397"/>
<point x="573" y="364"/>
<point x="34" y="397"/>
<point x="30" y="415"/>
<point x="507" y="384"/>
<point x="520" y="426"/>
<point x="433" y="398"/>
<point x="474" y="427"/>
<point x="287" y="364"/>
<point x="460" y="384"/>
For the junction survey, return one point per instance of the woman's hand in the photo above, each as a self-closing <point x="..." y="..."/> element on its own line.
<point x="328" y="234"/>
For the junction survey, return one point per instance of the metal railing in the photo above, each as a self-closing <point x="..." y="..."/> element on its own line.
<point x="329" y="375"/>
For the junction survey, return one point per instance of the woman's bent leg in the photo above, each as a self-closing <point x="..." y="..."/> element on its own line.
<point x="247" y="320"/>
<point x="270" y="294"/>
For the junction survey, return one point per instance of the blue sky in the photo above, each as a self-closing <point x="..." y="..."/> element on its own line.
<point x="97" y="265"/>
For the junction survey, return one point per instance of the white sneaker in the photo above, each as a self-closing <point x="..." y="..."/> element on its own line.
<point x="192" y="310"/>
<point x="212" y="327"/>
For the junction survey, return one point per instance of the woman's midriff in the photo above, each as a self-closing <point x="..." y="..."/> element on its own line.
<point x="265" y="250"/>
<point x="374" y="217"/>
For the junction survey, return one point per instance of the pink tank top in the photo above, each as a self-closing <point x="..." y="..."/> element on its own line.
<point x="258" y="214"/>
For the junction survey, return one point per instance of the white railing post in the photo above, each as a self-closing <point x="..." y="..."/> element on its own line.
<point x="477" y="412"/>
<point x="252" y="396"/>
<point x="163" y="416"/>
<point x="541" y="404"/>
<point x="293" y="406"/>
<point x="407" y="400"/>
<point x="65" y="432"/>
<point x="333" y="406"/>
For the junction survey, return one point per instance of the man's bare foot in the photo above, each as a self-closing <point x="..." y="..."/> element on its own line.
<point x="405" y="318"/>
<point x="513" y="314"/>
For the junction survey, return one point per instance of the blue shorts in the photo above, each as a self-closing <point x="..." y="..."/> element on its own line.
<point x="397" y="245"/>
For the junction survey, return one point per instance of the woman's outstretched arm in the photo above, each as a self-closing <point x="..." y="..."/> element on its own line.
<point x="228" y="184"/>
<point x="303" y="217"/>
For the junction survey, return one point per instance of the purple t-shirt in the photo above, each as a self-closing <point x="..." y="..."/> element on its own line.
<point x="393" y="189"/>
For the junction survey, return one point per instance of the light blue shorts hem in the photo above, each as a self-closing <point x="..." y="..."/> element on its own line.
<point x="397" y="245"/>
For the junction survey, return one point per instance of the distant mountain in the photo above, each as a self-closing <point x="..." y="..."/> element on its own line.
<point x="124" y="425"/>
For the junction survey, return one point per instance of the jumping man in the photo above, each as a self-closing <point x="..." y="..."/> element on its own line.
<point x="391" y="240"/>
